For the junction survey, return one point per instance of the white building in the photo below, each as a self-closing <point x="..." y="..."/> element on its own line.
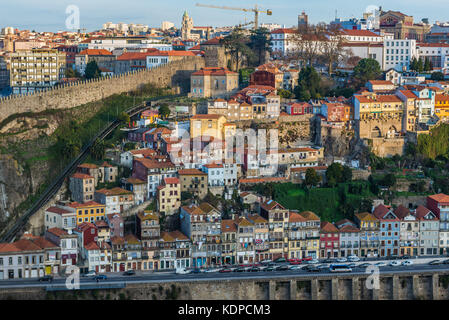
<point x="130" y="43"/>
<point x="282" y="41"/>
<point x="437" y="53"/>
<point x="399" y="53"/>
<point x="60" y="217"/>
<point x="425" y="105"/>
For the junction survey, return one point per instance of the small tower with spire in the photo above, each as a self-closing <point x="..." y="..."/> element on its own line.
<point x="186" y="26"/>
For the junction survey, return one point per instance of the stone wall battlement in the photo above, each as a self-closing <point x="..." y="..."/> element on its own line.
<point x="65" y="96"/>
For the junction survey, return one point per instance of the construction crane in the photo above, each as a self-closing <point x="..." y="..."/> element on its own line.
<point x="256" y="11"/>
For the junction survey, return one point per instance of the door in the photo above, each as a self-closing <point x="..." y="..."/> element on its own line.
<point x="33" y="273"/>
<point x="48" y="270"/>
<point x="122" y="267"/>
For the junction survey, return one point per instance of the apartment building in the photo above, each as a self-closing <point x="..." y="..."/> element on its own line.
<point x="36" y="70"/>
<point x="202" y="225"/>
<point x="194" y="181"/>
<point x="169" y="196"/>
<point x="398" y="54"/>
<point x="369" y="234"/>
<point x="82" y="187"/>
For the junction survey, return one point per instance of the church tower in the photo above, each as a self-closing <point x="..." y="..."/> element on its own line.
<point x="187" y="26"/>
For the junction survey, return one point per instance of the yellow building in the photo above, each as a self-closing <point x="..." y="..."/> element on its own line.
<point x="379" y="115"/>
<point x="169" y="196"/>
<point x="212" y="125"/>
<point x="442" y="106"/>
<point x="90" y="211"/>
<point x="310" y="244"/>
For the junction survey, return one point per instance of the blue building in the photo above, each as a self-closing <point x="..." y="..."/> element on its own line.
<point x="389" y="233"/>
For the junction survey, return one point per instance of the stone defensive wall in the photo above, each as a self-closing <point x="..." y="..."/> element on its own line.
<point x="65" y="96"/>
<point x="405" y="286"/>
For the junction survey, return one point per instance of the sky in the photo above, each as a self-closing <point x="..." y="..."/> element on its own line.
<point x="50" y="15"/>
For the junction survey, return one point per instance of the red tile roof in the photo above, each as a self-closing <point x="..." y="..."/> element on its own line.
<point x="81" y="176"/>
<point x="440" y="197"/>
<point x="58" y="210"/>
<point x="95" y="52"/>
<point x="327" y="227"/>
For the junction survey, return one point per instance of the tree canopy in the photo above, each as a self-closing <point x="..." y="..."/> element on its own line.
<point x="309" y="84"/>
<point x="312" y="178"/>
<point x="92" y="71"/>
<point x="337" y="173"/>
<point x="164" y="111"/>
<point x="367" y="69"/>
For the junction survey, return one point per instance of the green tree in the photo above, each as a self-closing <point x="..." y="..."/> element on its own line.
<point x="164" y="111"/>
<point x="334" y="174"/>
<point x="437" y="76"/>
<point x="129" y="146"/>
<point x="414" y="64"/>
<point x="420" y="65"/>
<point x="124" y="117"/>
<point x="309" y="84"/>
<point x="367" y="69"/>
<point x="70" y="73"/>
<point x="427" y="65"/>
<point x="236" y="44"/>
<point x="286" y="94"/>
<point x="346" y="174"/>
<point x="68" y="142"/>
<point x="312" y="178"/>
<point x="389" y="180"/>
<point x="260" y="43"/>
<point x="98" y="149"/>
<point x="92" y="71"/>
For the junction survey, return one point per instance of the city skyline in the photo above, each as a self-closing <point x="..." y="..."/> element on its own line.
<point x="48" y="16"/>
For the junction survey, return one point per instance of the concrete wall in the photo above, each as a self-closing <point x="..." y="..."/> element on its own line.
<point x="175" y="75"/>
<point x="423" y="286"/>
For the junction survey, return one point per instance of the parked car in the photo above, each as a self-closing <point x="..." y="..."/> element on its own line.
<point x="280" y="260"/>
<point x="239" y="269"/>
<point x="282" y="268"/>
<point x="394" y="263"/>
<point x="91" y="273"/>
<point x="405" y="257"/>
<point x="323" y="267"/>
<point x="269" y="268"/>
<point x="196" y="270"/>
<point x="313" y="261"/>
<point x="381" y="264"/>
<point x="329" y="260"/>
<point x="313" y="269"/>
<point x="178" y="271"/>
<point x="267" y="261"/>
<point x="254" y="269"/>
<point x="224" y="270"/>
<point x="353" y="258"/>
<point x="129" y="273"/>
<point x="100" y="277"/>
<point x="435" y="262"/>
<point x="209" y="270"/>
<point x="445" y="261"/>
<point x="342" y="259"/>
<point x="363" y="265"/>
<point x="47" y="277"/>
<point x="294" y="263"/>
<point x="306" y="259"/>
<point x="407" y="263"/>
<point x="295" y="267"/>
